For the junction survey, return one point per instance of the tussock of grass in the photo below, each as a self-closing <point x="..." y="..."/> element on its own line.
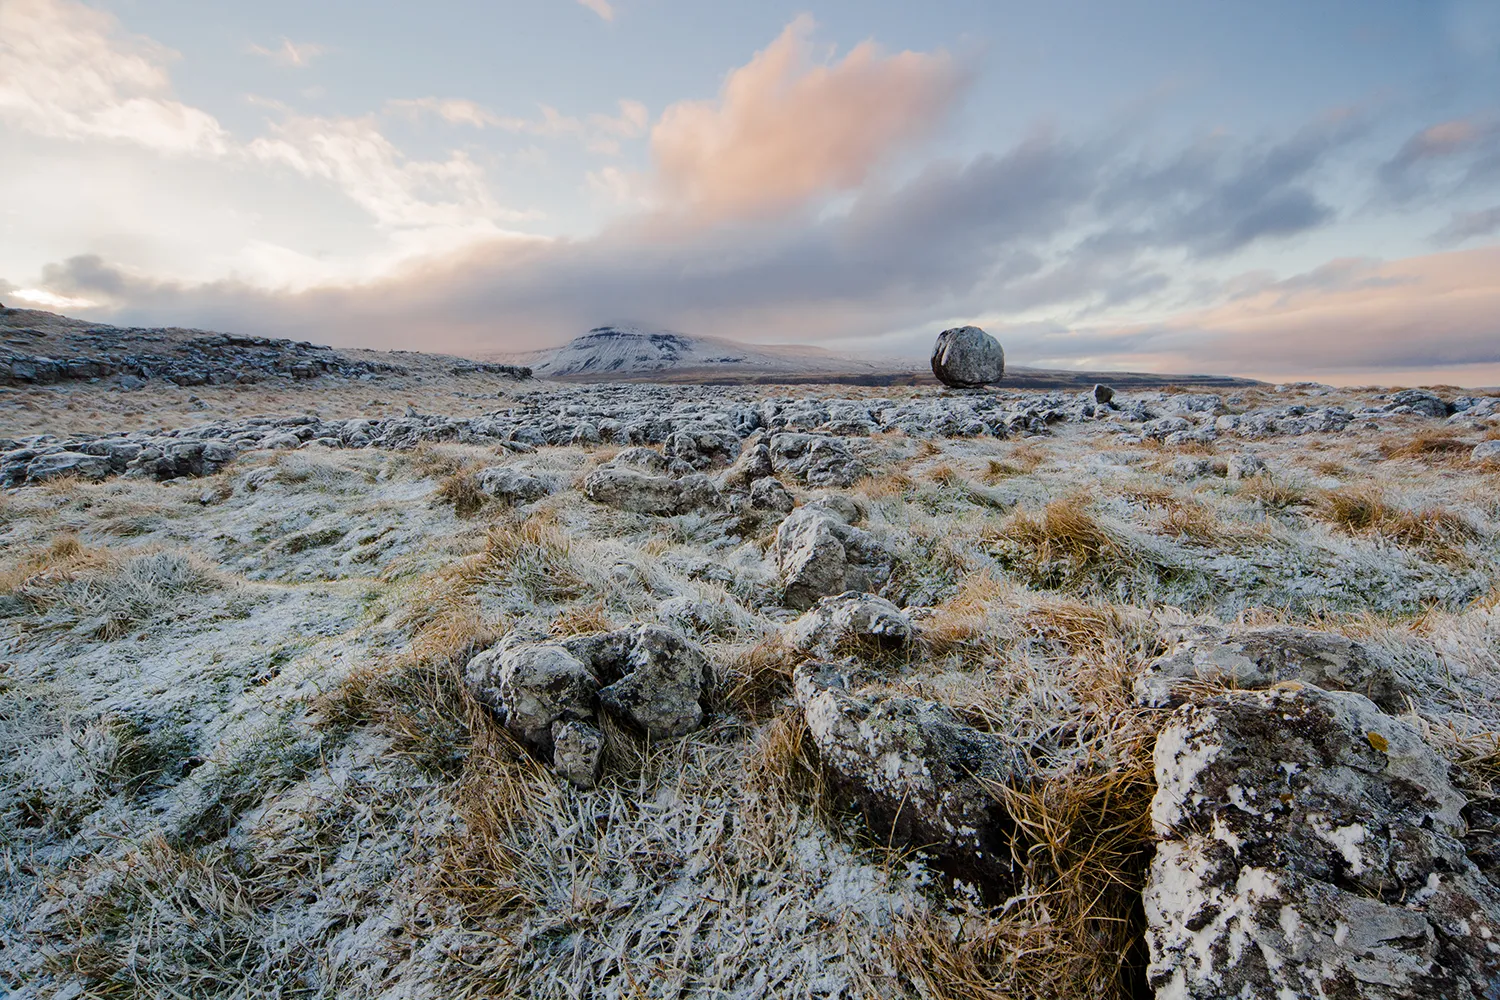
<point x="1364" y="510"/>
<point x="534" y="554"/>
<point x="1064" y="544"/>
<point x="1273" y="494"/>
<point x="460" y="490"/>
<point x="1428" y="444"/>
<point x="422" y="705"/>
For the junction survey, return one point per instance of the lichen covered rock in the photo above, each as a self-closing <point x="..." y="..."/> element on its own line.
<point x="1311" y="848"/>
<point x="819" y="555"/>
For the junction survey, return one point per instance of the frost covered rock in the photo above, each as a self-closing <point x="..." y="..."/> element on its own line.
<point x="531" y="685"/>
<point x="1486" y="451"/>
<point x="966" y="357"/>
<point x="768" y="494"/>
<point x="916" y="770"/>
<point x="1263" y="657"/>
<point x="1311" y="848"/>
<point x="510" y="485"/>
<point x="819" y="555"/>
<point x="703" y="447"/>
<point x="57" y="464"/>
<point x="753" y="464"/>
<point x="1103" y="394"/>
<point x="654" y="677"/>
<point x="1244" y="465"/>
<point x="1417" y="401"/>
<point x="852" y="616"/>
<point x="816" y="459"/>
<point x="644" y="493"/>
<point x="578" y="752"/>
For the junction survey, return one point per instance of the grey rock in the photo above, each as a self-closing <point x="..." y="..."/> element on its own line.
<point x="531" y="685"/>
<point x="511" y="485"/>
<point x="1263" y="657"/>
<point x="1485" y="451"/>
<point x="816" y="459"/>
<point x="1417" y="401"/>
<point x="852" y="617"/>
<point x="578" y="752"/>
<point x="753" y="464"/>
<point x="644" y="493"/>
<point x="58" y="464"/>
<point x="658" y="679"/>
<point x="818" y="555"/>
<point x="916" y="770"/>
<point x="1103" y="394"/>
<point x="1244" y="465"/>
<point x="967" y="357"/>
<point x="1311" y="847"/>
<point x="768" y="494"/>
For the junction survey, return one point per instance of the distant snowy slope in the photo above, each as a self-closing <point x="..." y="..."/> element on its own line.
<point x="625" y="351"/>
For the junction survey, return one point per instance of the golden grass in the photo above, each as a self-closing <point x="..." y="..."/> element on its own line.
<point x="62" y="559"/>
<point x="581" y="619"/>
<point x="1062" y="544"/>
<point x="754" y="683"/>
<point x="1083" y="842"/>
<point x="1272" y="494"/>
<point x="1358" y="510"/>
<point x="883" y="485"/>
<point x="1429" y="445"/>
<point x="460" y="490"/>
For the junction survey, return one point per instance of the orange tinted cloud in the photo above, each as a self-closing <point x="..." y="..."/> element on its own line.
<point x="786" y="127"/>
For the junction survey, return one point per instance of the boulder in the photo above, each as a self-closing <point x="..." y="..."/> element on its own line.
<point x="644" y="493"/>
<point x="1263" y="657"/>
<point x="919" y="774"/>
<point x="851" y="617"/>
<point x="1417" y="401"/>
<point x="60" y="464"/>
<point x="819" y="555"/>
<point x="816" y="459"/>
<point x="1486" y="451"/>
<point x="1311" y="847"/>
<point x="531" y="685"/>
<point x="1103" y="394"/>
<point x="768" y="494"/>
<point x="753" y="464"/>
<point x="655" y="678"/>
<point x="967" y="357"/>
<point x="510" y="485"/>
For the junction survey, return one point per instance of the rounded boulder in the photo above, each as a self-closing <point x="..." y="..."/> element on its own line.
<point x="966" y="357"/>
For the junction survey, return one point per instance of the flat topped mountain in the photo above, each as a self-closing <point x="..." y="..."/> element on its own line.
<point x="628" y="352"/>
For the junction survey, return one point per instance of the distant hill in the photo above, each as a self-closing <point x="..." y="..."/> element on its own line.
<point x="615" y="353"/>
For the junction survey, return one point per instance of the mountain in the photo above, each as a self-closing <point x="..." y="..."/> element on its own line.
<point x="630" y="353"/>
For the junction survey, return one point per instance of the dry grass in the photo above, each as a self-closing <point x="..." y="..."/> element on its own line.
<point x="1064" y="544"/>
<point x="1364" y="510"/>
<point x="755" y="683"/>
<point x="460" y="490"/>
<point x="1023" y="459"/>
<point x="1272" y="494"/>
<point x="884" y="485"/>
<point x="422" y="705"/>
<point x="534" y="554"/>
<point x="1428" y="445"/>
<point x="961" y="622"/>
<point x="1083" y="843"/>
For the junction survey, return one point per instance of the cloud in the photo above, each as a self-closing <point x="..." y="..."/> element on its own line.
<point x="353" y="154"/>
<point x="598" y="132"/>
<point x="1469" y="225"/>
<point x="68" y="71"/>
<point x="289" y="53"/>
<point x="786" y="127"/>
<point x="1051" y="225"/>
<point x="603" y="8"/>
<point x="1458" y="155"/>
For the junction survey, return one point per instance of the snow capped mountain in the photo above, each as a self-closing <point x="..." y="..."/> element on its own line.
<point x="630" y="352"/>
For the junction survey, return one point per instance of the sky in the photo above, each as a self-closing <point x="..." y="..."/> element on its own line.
<point x="1275" y="188"/>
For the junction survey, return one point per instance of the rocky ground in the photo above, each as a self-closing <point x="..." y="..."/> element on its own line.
<point x="504" y="688"/>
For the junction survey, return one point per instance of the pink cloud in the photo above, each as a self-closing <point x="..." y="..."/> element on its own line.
<point x="786" y="128"/>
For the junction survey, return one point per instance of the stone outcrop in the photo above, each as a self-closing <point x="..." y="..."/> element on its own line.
<point x="916" y="770"/>
<point x="967" y="357"/>
<point x="816" y="459"/>
<point x="641" y="480"/>
<point x="548" y="693"/>
<point x="820" y="555"/>
<point x="1311" y="847"/>
<point x="1263" y="657"/>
